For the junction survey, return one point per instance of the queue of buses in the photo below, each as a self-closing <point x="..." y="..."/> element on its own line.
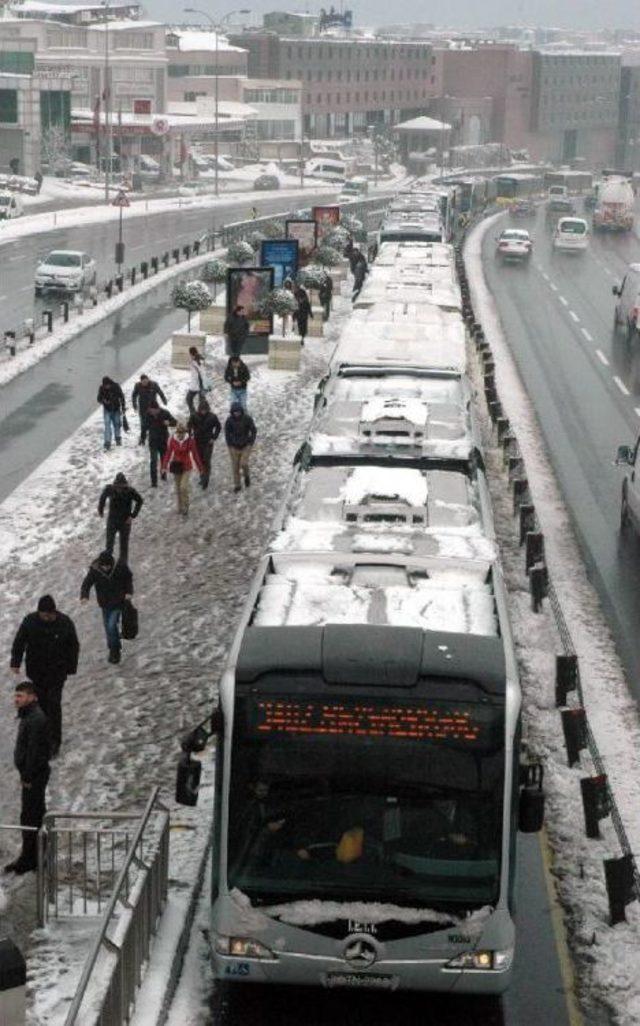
<point x="369" y="786"/>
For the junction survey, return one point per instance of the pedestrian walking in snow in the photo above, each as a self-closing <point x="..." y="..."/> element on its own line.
<point x="240" y="435"/>
<point x="180" y="457"/>
<point x="38" y="180"/>
<point x="113" y="583"/>
<point x="325" y="295"/>
<point x="124" y="505"/>
<point x="304" y="311"/>
<point x="48" y="642"/>
<point x="31" y="759"/>
<point x="197" y="378"/>
<point x="158" y="422"/>
<point x="144" y="392"/>
<point x="236" y="329"/>
<point x="204" y="427"/>
<point x="360" y="272"/>
<point x="237" y="375"/>
<point x="111" y="397"/>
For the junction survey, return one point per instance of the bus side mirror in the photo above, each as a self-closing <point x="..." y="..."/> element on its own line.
<point x="624" y="455"/>
<point x="188" y="780"/>
<point x="531" y="809"/>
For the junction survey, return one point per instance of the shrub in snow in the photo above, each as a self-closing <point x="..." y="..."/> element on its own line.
<point x="215" y="273"/>
<point x="336" y="238"/>
<point x="280" y="302"/>
<point x="240" y="253"/>
<point x="191" y="296"/>
<point x="272" y="230"/>
<point x="350" y="223"/>
<point x="327" y="256"/>
<point x="255" y="239"/>
<point x="312" y="276"/>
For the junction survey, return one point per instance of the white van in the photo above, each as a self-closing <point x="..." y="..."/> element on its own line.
<point x="327" y="169"/>
<point x="10" y="206"/>
<point x="571" y="234"/>
<point x="627" y="312"/>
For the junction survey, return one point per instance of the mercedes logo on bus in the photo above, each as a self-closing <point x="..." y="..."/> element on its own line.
<point x="360" y="953"/>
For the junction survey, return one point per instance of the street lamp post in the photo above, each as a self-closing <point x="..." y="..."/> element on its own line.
<point x="107" y="104"/>
<point x="216" y="26"/>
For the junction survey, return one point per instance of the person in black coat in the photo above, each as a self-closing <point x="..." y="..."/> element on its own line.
<point x="236" y="328"/>
<point x="240" y="434"/>
<point x="205" y="428"/>
<point x="124" y="505"/>
<point x="304" y="311"/>
<point x="111" y="398"/>
<point x="113" y="583"/>
<point x="360" y="271"/>
<point x="31" y="759"/>
<point x="237" y="375"/>
<point x="158" y="421"/>
<point x="325" y="295"/>
<point x="48" y="642"/>
<point x="145" y="391"/>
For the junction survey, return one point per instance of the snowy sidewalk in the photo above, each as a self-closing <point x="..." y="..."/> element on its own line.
<point x="122" y="724"/>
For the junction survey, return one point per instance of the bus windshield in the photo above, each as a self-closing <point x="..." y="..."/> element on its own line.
<point x="375" y="800"/>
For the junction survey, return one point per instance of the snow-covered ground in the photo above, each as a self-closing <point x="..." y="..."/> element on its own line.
<point x="122" y="724"/>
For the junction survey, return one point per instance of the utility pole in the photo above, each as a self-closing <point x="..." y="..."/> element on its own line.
<point x="107" y="104"/>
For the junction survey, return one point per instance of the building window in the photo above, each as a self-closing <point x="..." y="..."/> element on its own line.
<point x="17" y="63"/>
<point x="9" y="106"/>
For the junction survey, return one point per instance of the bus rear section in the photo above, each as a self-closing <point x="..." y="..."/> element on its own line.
<point x="366" y="823"/>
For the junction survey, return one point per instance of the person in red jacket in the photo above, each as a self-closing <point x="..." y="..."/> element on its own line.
<point x="182" y="453"/>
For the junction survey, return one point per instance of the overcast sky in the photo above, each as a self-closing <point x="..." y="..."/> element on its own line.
<point x="457" y="13"/>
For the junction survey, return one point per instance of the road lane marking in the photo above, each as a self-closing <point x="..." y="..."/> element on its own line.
<point x="574" y="316"/>
<point x="586" y="334"/>
<point x="552" y="286"/>
<point x="556" y="915"/>
<point x="602" y="357"/>
<point x="2" y="298"/>
<point x="637" y="411"/>
<point x="565" y="302"/>
<point x="621" y="385"/>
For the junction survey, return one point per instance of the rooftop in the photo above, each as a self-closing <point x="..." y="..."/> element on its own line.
<point x="423" y="124"/>
<point x="198" y="40"/>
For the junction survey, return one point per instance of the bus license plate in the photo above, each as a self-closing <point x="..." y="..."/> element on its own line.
<point x="378" y="981"/>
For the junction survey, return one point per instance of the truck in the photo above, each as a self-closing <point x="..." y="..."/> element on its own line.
<point x="614" y="210"/>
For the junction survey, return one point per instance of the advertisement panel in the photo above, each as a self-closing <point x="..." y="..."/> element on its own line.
<point x="326" y="218"/>
<point x="282" y="255"/>
<point x="306" y="232"/>
<point x="248" y="287"/>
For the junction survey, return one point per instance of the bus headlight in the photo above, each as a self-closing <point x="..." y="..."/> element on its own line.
<point x="242" y="947"/>
<point x="483" y="961"/>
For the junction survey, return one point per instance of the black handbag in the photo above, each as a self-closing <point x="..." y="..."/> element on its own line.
<point x="125" y="422"/>
<point x="175" y="467"/>
<point x="129" y="628"/>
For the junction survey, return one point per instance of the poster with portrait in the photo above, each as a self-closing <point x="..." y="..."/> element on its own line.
<point x="326" y="219"/>
<point x="306" y="232"/>
<point x="248" y="287"/>
<point x="282" y="255"/>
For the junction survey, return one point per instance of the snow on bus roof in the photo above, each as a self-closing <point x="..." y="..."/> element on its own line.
<point x="435" y="342"/>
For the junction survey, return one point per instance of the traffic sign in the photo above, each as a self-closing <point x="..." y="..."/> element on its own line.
<point x="121" y="200"/>
<point x="160" y="126"/>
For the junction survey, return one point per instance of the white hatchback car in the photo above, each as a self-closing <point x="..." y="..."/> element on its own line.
<point x="571" y="234"/>
<point x="514" y="244"/>
<point x="65" y="270"/>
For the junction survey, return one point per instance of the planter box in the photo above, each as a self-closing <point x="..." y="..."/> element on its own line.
<point x="284" y="354"/>
<point x="181" y="342"/>
<point x="212" y="320"/>
<point x="315" y="327"/>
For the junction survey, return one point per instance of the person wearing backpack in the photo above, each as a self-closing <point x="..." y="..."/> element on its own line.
<point x="182" y="453"/>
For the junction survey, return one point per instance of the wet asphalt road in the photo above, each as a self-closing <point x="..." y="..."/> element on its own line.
<point x="584" y="380"/>
<point x="144" y="237"/>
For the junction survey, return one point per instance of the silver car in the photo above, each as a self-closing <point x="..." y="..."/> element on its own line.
<point x="65" y="270"/>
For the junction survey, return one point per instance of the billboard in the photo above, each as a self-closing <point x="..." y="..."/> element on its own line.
<point x="282" y="255"/>
<point x="326" y="218"/>
<point x="306" y="232"/>
<point x="248" y="287"/>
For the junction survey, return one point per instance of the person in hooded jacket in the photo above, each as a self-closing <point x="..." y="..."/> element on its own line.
<point x="157" y="424"/>
<point x="360" y="271"/>
<point x="304" y="311"/>
<point x="240" y="434"/>
<point x="325" y="295"/>
<point x="237" y="375"/>
<point x="111" y="398"/>
<point x="124" y="505"/>
<point x="182" y="453"/>
<point x="48" y="642"/>
<point x="113" y="583"/>
<point x="204" y="428"/>
<point x="145" y="391"/>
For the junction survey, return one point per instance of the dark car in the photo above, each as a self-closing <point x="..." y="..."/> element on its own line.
<point x="266" y="182"/>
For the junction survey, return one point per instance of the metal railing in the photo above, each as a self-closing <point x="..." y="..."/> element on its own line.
<point x="131" y="914"/>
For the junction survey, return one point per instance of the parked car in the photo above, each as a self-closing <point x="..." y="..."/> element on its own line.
<point x="65" y="270"/>
<point x="266" y="182"/>
<point x="10" y="206"/>
<point x="514" y="244"/>
<point x="627" y="311"/>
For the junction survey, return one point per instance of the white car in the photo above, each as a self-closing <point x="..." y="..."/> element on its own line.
<point x="514" y="244"/>
<point x="10" y="206"/>
<point x="65" y="270"/>
<point x="571" y="234"/>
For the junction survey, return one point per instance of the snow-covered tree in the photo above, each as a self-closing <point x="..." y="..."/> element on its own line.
<point x="312" y="276"/>
<point x="214" y="272"/>
<point x="191" y="296"/>
<point x="280" y="302"/>
<point x="327" y="256"/>
<point x="240" y="253"/>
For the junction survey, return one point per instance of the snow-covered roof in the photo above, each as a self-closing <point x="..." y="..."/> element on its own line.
<point x="41" y="7"/>
<point x="128" y="25"/>
<point x="402" y="254"/>
<point x="403" y="334"/>
<point x="423" y="124"/>
<point x="193" y="40"/>
<point x="455" y="597"/>
<point x="404" y="415"/>
<point x="432" y="289"/>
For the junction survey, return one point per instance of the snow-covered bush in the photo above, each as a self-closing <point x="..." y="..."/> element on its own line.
<point x="280" y="302"/>
<point x="350" y="223"/>
<point x="272" y="230"/>
<point x="312" y="276"/>
<point x="255" y="239"/>
<point x="191" y="296"/>
<point x="336" y="238"/>
<point x="214" y="272"/>
<point x="327" y="256"/>
<point x="240" y="252"/>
